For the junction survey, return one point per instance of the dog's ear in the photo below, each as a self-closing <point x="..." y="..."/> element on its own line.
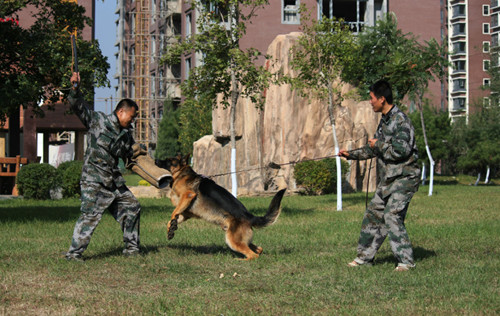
<point x="185" y="160"/>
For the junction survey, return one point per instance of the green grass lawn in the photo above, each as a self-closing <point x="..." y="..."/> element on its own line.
<point x="302" y="271"/>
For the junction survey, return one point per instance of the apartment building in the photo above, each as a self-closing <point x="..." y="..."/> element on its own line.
<point x="469" y="40"/>
<point x="144" y="29"/>
<point x="467" y="27"/>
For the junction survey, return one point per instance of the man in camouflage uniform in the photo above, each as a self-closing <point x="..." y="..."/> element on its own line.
<point x="399" y="177"/>
<point x="102" y="185"/>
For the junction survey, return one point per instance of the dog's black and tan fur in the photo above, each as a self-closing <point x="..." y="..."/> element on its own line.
<point x="199" y="197"/>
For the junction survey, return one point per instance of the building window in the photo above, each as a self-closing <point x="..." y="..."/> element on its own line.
<point x="486" y="47"/>
<point x="486" y="82"/>
<point x="486" y="10"/>
<point x="494" y="20"/>
<point x="458" y="11"/>
<point x="353" y="12"/>
<point x="459" y="66"/>
<point x="188" y="25"/>
<point x="459" y="47"/>
<point x="486" y="65"/>
<point x="486" y="28"/>
<point x="494" y="40"/>
<point x="458" y="85"/>
<point x="458" y="29"/>
<point x="458" y="104"/>
<point x="290" y="11"/>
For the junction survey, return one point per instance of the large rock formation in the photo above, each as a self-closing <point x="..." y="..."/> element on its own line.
<point x="289" y="128"/>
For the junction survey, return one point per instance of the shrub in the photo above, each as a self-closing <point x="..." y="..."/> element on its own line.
<point x="318" y="177"/>
<point x="70" y="173"/>
<point x="34" y="181"/>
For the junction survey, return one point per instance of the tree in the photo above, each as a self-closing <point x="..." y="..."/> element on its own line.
<point x="195" y="121"/>
<point x="35" y="63"/>
<point x="168" y="132"/>
<point x="479" y="140"/>
<point x="405" y="62"/>
<point x="325" y="53"/>
<point x="226" y="70"/>
<point x="438" y="131"/>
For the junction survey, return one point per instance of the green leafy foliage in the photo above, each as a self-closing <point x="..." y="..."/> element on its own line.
<point x="168" y="134"/>
<point x="326" y="51"/>
<point x="226" y="71"/>
<point x="478" y="141"/>
<point x="195" y="119"/>
<point x="318" y="177"/>
<point x="70" y="173"/>
<point x="407" y="63"/>
<point x="438" y="129"/>
<point x="35" y="62"/>
<point x="34" y="181"/>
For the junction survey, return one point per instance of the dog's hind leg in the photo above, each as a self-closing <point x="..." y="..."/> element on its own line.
<point x="258" y="250"/>
<point x="239" y="237"/>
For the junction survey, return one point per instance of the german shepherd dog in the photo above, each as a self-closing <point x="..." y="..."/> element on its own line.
<point x="200" y="197"/>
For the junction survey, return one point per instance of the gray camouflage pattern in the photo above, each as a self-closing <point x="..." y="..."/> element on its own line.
<point x="398" y="179"/>
<point x="122" y="205"/>
<point x="107" y="142"/>
<point x="102" y="184"/>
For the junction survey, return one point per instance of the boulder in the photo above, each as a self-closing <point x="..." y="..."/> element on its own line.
<point x="288" y="129"/>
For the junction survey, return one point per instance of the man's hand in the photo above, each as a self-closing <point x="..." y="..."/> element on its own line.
<point x="75" y="80"/>
<point x="138" y="150"/>
<point x="343" y="153"/>
<point x="372" y="142"/>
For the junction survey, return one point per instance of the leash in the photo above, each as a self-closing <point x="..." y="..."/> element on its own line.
<point x="271" y="165"/>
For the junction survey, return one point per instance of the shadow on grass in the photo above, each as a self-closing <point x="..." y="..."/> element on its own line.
<point x="419" y="254"/>
<point x="39" y="213"/>
<point x="202" y="249"/>
<point x="117" y="252"/>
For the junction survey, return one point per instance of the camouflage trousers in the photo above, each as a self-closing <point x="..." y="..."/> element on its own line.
<point x="123" y="206"/>
<point x="385" y="217"/>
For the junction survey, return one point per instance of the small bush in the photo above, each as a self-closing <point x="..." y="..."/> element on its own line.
<point x="70" y="173"/>
<point x="144" y="183"/>
<point x="318" y="177"/>
<point x="34" y="181"/>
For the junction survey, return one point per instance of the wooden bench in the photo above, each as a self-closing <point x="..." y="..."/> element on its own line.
<point x="10" y="166"/>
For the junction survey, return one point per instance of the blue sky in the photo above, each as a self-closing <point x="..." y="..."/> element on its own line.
<point x="105" y="33"/>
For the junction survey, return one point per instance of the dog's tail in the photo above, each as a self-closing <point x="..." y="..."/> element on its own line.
<point x="272" y="213"/>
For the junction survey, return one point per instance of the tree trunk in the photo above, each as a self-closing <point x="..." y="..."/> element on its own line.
<point x="431" y="161"/>
<point x="422" y="179"/>
<point x="487" y="179"/>
<point x="336" y="144"/>
<point x="232" y="112"/>
<point x="478" y="178"/>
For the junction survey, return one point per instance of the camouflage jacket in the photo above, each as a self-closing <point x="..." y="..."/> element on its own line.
<point x="107" y="141"/>
<point x="396" y="152"/>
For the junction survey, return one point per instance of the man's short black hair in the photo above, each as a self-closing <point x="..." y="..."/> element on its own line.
<point x="127" y="104"/>
<point x="382" y="88"/>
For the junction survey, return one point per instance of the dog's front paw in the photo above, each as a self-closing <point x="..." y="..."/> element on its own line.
<point x="172" y="227"/>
